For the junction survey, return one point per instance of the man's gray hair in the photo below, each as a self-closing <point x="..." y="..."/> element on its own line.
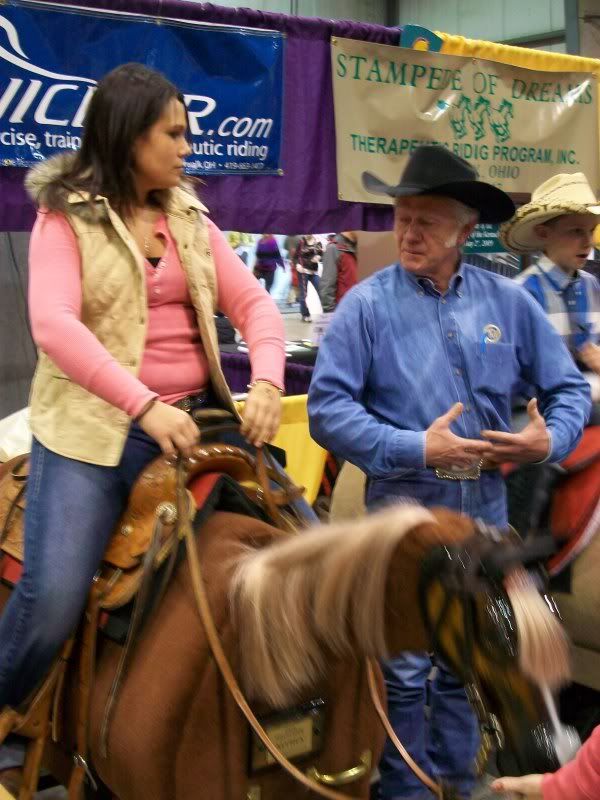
<point x="465" y="214"/>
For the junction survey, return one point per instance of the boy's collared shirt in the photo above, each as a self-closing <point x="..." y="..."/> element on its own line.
<point x="571" y="302"/>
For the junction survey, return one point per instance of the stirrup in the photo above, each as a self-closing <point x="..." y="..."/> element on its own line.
<point x="33" y="722"/>
<point x="8" y="720"/>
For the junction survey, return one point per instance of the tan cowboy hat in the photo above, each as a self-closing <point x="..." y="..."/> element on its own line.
<point x="562" y="194"/>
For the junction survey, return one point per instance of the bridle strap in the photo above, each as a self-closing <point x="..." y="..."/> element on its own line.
<point x="464" y="581"/>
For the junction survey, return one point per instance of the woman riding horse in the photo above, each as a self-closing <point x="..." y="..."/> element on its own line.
<point x="125" y="274"/>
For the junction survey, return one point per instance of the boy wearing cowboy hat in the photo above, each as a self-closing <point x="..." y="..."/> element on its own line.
<point x="421" y="402"/>
<point x="559" y="223"/>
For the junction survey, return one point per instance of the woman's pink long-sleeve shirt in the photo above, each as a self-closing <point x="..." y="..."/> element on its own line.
<point x="174" y="364"/>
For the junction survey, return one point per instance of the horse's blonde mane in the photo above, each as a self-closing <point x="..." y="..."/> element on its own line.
<point x="322" y="589"/>
<point x="544" y="653"/>
<point x="324" y="592"/>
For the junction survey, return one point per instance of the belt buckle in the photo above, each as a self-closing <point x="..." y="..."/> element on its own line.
<point x="185" y="404"/>
<point x="471" y="474"/>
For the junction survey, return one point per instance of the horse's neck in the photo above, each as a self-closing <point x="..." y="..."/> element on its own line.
<point x="405" y="629"/>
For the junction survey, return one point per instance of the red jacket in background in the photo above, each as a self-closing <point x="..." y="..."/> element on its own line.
<point x="340" y="271"/>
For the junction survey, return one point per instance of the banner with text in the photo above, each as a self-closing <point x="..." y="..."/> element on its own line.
<point x="516" y="126"/>
<point x="51" y="60"/>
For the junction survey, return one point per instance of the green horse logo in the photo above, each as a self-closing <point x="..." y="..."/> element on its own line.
<point x="478" y="117"/>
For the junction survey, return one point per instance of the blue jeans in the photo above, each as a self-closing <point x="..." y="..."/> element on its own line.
<point x="72" y="509"/>
<point x="303" y="281"/>
<point x="446" y="743"/>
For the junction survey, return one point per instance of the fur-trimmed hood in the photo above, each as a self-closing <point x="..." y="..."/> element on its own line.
<point x="52" y="172"/>
<point x="43" y="175"/>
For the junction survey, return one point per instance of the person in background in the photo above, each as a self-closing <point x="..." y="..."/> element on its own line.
<point x="577" y="780"/>
<point x="268" y="258"/>
<point x="290" y="245"/>
<point x="125" y="272"/>
<point x="309" y="254"/>
<point x="340" y="269"/>
<point x="559" y="224"/>
<point x="413" y="384"/>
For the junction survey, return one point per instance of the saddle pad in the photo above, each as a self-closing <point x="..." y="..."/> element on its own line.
<point x="10" y="570"/>
<point x="576" y="504"/>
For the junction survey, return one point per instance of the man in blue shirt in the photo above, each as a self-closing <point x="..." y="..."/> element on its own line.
<point x="413" y="384"/>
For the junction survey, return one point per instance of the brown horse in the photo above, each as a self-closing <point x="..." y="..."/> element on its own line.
<point x="296" y="616"/>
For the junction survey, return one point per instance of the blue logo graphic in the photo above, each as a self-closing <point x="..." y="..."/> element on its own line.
<point x="231" y="79"/>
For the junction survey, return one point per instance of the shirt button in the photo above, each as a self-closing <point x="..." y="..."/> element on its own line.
<point x="458" y="371"/>
<point x="443" y="300"/>
<point x="156" y="290"/>
<point x="468" y="408"/>
<point x="450" y="334"/>
<point x="421" y="293"/>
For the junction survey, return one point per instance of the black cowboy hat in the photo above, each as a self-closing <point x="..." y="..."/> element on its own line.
<point x="433" y="169"/>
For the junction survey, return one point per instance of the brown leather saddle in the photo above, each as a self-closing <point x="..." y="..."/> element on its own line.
<point x="152" y="503"/>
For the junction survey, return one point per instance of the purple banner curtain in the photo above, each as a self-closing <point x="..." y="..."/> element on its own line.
<point x="304" y="199"/>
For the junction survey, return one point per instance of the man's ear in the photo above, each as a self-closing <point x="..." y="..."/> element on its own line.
<point x="465" y="232"/>
<point x="542" y="231"/>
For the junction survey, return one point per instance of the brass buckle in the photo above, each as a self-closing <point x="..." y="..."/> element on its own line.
<point x="185" y="404"/>
<point x="471" y="474"/>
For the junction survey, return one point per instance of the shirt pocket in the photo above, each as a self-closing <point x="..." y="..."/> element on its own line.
<point x="493" y="367"/>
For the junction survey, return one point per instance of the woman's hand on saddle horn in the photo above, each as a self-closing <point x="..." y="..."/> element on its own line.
<point x="172" y="428"/>
<point x="531" y="445"/>
<point x="447" y="450"/>
<point x="262" y="413"/>
<point x="529" y="787"/>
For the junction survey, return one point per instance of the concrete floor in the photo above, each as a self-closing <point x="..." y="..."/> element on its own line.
<point x="294" y="327"/>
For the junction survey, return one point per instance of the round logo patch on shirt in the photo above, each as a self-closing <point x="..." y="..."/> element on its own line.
<point x="492" y="333"/>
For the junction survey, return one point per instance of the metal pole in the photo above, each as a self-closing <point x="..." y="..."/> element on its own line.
<point x="572" y="27"/>
<point x="392" y="13"/>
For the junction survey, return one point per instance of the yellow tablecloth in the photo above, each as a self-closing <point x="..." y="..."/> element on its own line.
<point x="305" y="459"/>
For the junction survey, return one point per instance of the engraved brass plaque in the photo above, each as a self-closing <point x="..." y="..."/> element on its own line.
<point x="298" y="734"/>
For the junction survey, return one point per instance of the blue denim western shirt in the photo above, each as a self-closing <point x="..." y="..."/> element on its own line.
<point x="398" y="354"/>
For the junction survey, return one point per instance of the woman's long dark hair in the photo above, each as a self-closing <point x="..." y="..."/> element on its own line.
<point x="127" y="102"/>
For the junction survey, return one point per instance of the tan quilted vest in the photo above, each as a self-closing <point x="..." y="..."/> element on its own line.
<point x="65" y="417"/>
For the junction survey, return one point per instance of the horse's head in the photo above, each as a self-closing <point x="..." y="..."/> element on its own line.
<point x="353" y="589"/>
<point x="488" y="621"/>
